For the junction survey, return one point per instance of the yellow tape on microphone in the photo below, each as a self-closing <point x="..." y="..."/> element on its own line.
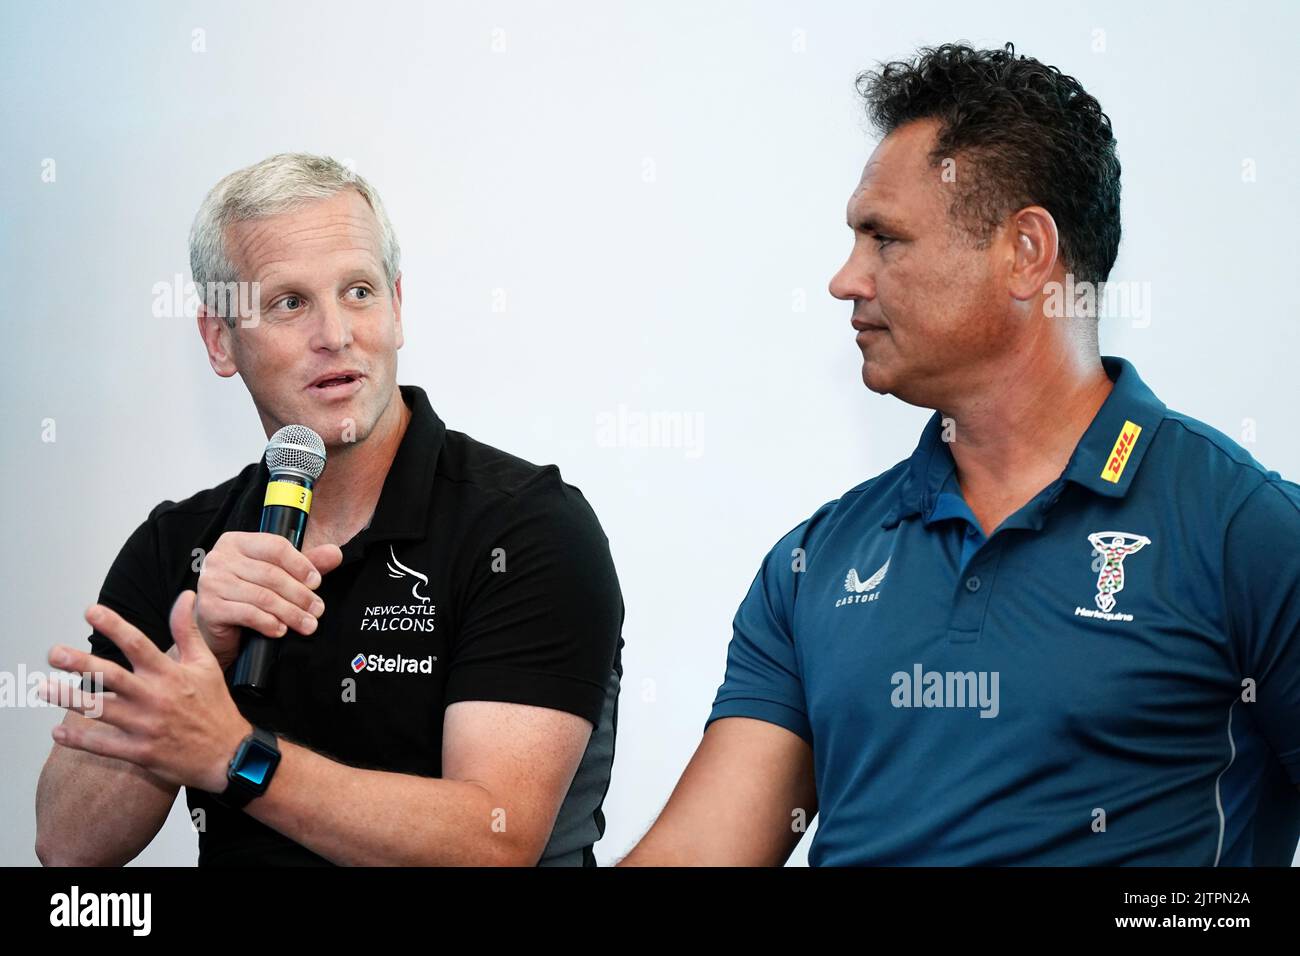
<point x="288" y="494"/>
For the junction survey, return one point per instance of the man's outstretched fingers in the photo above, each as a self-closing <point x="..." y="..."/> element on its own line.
<point x="130" y="640"/>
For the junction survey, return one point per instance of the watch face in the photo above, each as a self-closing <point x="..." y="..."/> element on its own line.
<point x="257" y="762"/>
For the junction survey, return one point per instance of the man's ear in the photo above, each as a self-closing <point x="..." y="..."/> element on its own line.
<point x="1036" y="251"/>
<point x="218" y="339"/>
<point x="397" y="308"/>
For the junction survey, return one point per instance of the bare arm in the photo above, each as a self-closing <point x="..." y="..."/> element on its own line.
<point x="506" y="769"/>
<point x="738" y="802"/>
<point x="506" y="766"/>
<point x="96" y="811"/>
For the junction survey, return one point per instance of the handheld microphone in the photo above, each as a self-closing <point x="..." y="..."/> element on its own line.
<point x="295" y="456"/>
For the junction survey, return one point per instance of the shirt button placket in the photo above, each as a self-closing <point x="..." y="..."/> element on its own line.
<point x="972" y="598"/>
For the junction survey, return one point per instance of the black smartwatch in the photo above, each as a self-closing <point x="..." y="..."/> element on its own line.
<point x="250" y="769"/>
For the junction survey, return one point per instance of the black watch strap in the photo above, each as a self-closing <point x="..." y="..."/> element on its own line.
<point x="251" y="769"/>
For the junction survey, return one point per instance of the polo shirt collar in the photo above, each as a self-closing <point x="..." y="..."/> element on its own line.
<point x="404" y="502"/>
<point x="1111" y="450"/>
<point x="403" y="509"/>
<point x="1125" y="423"/>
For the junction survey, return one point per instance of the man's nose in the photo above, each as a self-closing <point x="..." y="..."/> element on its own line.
<point x="333" y="328"/>
<point x="852" y="282"/>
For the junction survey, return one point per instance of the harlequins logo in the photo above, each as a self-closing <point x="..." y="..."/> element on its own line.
<point x="1111" y="548"/>
<point x="861" y="591"/>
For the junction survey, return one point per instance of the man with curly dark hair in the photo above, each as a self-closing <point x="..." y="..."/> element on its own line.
<point x="1066" y="630"/>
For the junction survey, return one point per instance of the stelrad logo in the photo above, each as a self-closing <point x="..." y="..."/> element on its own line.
<point x="380" y="663"/>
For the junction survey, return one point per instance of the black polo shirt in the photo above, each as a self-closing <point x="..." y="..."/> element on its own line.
<point x="480" y="577"/>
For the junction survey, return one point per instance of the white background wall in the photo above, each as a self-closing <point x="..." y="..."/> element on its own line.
<point x="651" y="189"/>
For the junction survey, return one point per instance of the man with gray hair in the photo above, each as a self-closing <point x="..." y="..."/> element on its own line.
<point x="449" y="649"/>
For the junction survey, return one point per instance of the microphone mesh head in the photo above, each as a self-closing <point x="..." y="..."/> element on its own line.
<point x="297" y="449"/>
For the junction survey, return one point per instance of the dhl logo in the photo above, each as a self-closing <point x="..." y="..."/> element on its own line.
<point x="1119" y="455"/>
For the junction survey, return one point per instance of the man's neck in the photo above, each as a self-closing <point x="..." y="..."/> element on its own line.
<point x="344" y="499"/>
<point x="1015" y="433"/>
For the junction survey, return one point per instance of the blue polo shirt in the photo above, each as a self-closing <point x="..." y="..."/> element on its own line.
<point x="1111" y="677"/>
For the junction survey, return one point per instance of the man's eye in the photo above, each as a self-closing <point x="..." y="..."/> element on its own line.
<point x="290" y="299"/>
<point x="363" y="289"/>
<point x="881" y="240"/>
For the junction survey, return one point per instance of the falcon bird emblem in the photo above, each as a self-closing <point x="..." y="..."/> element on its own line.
<point x="396" y="569"/>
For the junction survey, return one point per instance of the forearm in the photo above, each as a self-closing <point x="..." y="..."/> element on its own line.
<point x="652" y="852"/>
<point x="714" y="840"/>
<point x="725" y="811"/>
<point x="360" y="817"/>
<point x="96" y="811"/>
<point x="666" y="845"/>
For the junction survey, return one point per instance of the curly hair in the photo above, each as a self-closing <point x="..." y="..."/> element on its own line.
<point x="1030" y="134"/>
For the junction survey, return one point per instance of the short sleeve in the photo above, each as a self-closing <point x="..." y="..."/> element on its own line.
<point x="542" y="612"/>
<point x="134" y="588"/>
<point x="762" y="678"/>
<point x="1262" y="593"/>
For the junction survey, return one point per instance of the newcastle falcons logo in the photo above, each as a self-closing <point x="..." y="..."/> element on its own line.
<point x="1113" y="547"/>
<point x="396" y="569"/>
